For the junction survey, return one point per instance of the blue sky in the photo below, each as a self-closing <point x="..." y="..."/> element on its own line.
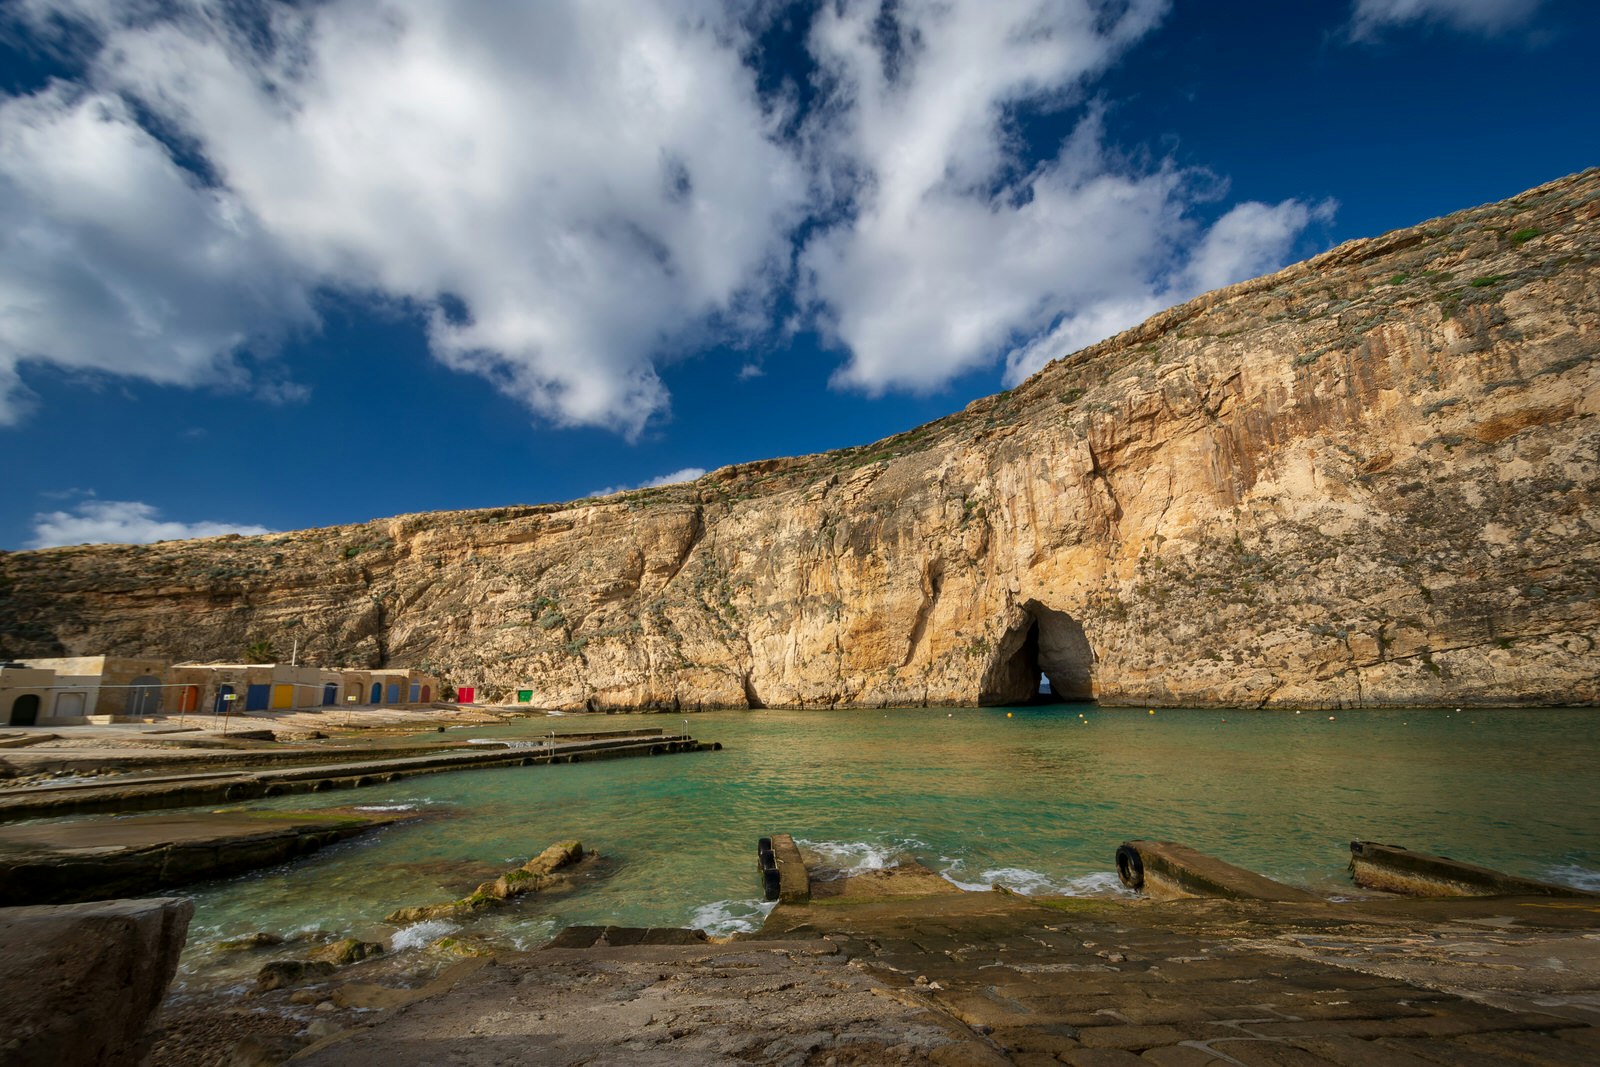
<point x="282" y="265"/>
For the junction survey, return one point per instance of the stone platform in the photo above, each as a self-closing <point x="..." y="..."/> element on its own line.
<point x="992" y="978"/>
<point x="62" y="863"/>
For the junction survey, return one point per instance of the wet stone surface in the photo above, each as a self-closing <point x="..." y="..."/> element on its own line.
<point x="990" y="978"/>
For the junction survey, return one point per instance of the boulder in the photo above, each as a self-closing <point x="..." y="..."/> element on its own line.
<point x="80" y="981"/>
<point x="559" y="855"/>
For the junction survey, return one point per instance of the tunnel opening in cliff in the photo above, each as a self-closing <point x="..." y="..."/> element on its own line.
<point x="1040" y="643"/>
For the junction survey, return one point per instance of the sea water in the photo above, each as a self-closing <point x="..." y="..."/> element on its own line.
<point x="1035" y="799"/>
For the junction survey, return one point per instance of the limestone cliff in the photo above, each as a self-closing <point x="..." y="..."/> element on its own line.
<point x="1368" y="479"/>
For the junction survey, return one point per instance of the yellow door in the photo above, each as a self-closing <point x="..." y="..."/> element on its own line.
<point x="283" y="696"/>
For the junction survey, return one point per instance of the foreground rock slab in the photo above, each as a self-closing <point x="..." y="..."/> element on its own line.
<point x="991" y="978"/>
<point x="647" y="1004"/>
<point x="69" y="862"/>
<point x="79" y="982"/>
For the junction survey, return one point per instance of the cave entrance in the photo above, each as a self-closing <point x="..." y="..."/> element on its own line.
<point x="1043" y="657"/>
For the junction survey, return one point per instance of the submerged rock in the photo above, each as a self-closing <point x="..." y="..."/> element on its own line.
<point x="349" y="950"/>
<point x="462" y="947"/>
<point x="535" y="876"/>
<point x="259" y="939"/>
<point x="282" y="973"/>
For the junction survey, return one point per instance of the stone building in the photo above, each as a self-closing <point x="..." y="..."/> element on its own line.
<point x="81" y="689"/>
<point x="108" y="688"/>
<point x="24" y="694"/>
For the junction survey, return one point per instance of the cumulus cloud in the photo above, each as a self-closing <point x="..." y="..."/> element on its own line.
<point x="1250" y="239"/>
<point x="570" y="193"/>
<point x="687" y="474"/>
<point x="952" y="251"/>
<point x="122" y="522"/>
<point x="114" y="260"/>
<point x="1370" y="17"/>
<point x="564" y="190"/>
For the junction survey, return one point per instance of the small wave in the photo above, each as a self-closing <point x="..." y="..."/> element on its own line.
<point x="1034" y="884"/>
<point x="723" y="917"/>
<point x="420" y="934"/>
<point x="1577" y="877"/>
<point x="385" y="807"/>
<point x="842" y="859"/>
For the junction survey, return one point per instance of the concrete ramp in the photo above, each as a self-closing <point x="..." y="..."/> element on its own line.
<point x="1166" y="870"/>
<point x="1400" y="870"/>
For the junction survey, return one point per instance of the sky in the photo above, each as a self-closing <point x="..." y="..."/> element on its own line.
<point x="278" y="265"/>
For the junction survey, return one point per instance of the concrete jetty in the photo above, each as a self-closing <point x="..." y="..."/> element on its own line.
<point x="1399" y="870"/>
<point x="64" y="863"/>
<point x="1166" y="870"/>
<point x="188" y="790"/>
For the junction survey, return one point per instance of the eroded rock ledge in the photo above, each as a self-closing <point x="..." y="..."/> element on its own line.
<point x="1368" y="479"/>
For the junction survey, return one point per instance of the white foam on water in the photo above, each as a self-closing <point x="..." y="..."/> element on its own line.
<point x="421" y="934"/>
<point x="723" y="917"/>
<point x="1033" y="884"/>
<point x="1577" y="877"/>
<point x="842" y="859"/>
<point x="385" y="807"/>
<point x="533" y="935"/>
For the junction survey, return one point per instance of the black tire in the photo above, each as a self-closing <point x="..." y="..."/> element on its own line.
<point x="1130" y="867"/>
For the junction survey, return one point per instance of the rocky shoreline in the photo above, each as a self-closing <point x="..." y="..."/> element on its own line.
<point x="880" y="971"/>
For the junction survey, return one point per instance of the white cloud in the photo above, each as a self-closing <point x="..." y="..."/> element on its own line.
<point x="572" y="192"/>
<point x="687" y="474"/>
<point x="121" y="522"/>
<point x="583" y="184"/>
<point x="954" y="253"/>
<point x="1369" y="17"/>
<point x="1251" y="239"/>
<point x="114" y="260"/>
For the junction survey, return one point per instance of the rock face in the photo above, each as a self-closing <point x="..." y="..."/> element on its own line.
<point x="80" y="981"/>
<point x="1367" y="479"/>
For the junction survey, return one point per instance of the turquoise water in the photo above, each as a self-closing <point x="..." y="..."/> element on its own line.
<point x="1036" y="798"/>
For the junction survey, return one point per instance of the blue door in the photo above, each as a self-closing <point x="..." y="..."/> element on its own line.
<point x="416" y="692"/>
<point x="222" y="705"/>
<point x="394" y="693"/>
<point x="256" y="697"/>
<point x="330" y="695"/>
<point x="377" y="693"/>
